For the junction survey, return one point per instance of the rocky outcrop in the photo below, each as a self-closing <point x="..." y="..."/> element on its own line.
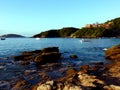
<point x="113" y="53"/>
<point x="96" y="76"/>
<point x="76" y="81"/>
<point x="46" y="55"/>
<point x="50" y="57"/>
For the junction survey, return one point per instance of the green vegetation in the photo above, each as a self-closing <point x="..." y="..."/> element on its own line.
<point x="50" y="33"/>
<point x="89" y="32"/>
<point x="64" y="32"/>
<point x="107" y="29"/>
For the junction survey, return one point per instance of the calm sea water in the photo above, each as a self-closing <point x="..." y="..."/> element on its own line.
<point x="91" y="51"/>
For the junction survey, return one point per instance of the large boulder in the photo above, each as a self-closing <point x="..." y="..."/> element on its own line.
<point x="113" y="53"/>
<point x="46" y="55"/>
<point x="47" y="58"/>
<point x="50" y="49"/>
<point x="32" y="52"/>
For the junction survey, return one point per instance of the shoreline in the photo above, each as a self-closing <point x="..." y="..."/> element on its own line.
<point x="94" y="76"/>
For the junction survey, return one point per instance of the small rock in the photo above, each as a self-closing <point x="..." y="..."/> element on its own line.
<point x="73" y="56"/>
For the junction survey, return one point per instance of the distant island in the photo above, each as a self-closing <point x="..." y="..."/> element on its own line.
<point x="108" y="29"/>
<point x="12" y="36"/>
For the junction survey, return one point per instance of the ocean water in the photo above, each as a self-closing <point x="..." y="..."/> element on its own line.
<point x="88" y="51"/>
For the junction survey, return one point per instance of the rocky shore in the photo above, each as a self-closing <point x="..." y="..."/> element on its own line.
<point x="97" y="76"/>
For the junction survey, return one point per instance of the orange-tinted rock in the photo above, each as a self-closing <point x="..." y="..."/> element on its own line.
<point x="113" y="53"/>
<point x="84" y="68"/>
<point x="20" y="85"/>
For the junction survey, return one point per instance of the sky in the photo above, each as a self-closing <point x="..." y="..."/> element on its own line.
<point x="30" y="17"/>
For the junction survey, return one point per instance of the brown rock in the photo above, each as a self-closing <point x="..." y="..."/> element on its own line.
<point x="22" y="57"/>
<point x="47" y="58"/>
<point x="36" y="51"/>
<point x="50" y="49"/>
<point x="20" y="85"/>
<point x="84" y="68"/>
<point x="71" y="71"/>
<point x="26" y="53"/>
<point x="113" y="53"/>
<point x="73" y="56"/>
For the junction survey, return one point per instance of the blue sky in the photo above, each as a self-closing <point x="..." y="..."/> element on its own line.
<point x="29" y="17"/>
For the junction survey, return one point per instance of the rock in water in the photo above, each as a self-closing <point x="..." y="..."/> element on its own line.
<point x="50" y="49"/>
<point x="73" y="56"/>
<point x="48" y="55"/>
<point x="113" y="53"/>
<point x="47" y="58"/>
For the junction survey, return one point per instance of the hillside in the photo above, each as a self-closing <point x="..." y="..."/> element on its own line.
<point x="12" y="36"/>
<point x="64" y="32"/>
<point x="108" y="29"/>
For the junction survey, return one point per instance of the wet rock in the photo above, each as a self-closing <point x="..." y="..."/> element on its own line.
<point x="26" y="53"/>
<point x="23" y="57"/>
<point x="36" y="51"/>
<point x="4" y="85"/>
<point x="114" y="69"/>
<point x="23" y="62"/>
<point x="50" y="49"/>
<point x="58" y="86"/>
<point x="111" y="87"/>
<point x="84" y="68"/>
<point x="46" y="55"/>
<point x="20" y="85"/>
<point x="87" y="80"/>
<point x="71" y="71"/>
<point x="113" y="53"/>
<point x="47" y="58"/>
<point x="97" y="63"/>
<point x="26" y="72"/>
<point x="31" y="52"/>
<point x="45" y="86"/>
<point x="73" y="56"/>
<point x="69" y="87"/>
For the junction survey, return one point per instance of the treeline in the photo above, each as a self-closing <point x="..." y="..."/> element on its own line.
<point x="108" y="29"/>
<point x="64" y="32"/>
